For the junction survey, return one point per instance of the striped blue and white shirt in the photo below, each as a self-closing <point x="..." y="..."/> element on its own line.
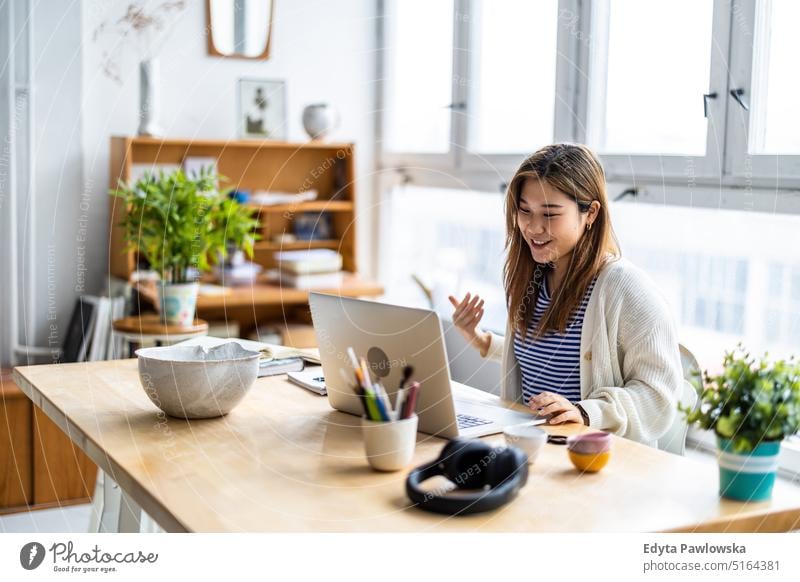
<point x="552" y="362"/>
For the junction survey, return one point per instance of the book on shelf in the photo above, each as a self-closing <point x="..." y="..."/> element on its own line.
<point x="307" y="262"/>
<point x="317" y="280"/>
<point x="90" y="336"/>
<point x="102" y="327"/>
<point x="79" y="331"/>
<point x="271" y="198"/>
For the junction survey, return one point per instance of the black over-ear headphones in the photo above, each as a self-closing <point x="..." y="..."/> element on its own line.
<point x="496" y="473"/>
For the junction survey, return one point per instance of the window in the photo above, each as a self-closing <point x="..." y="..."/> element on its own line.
<point x="722" y="287"/>
<point x="418" y="90"/>
<point x="512" y="76"/>
<point x="775" y="122"/>
<point x="650" y="67"/>
<point x="782" y="307"/>
<point x="454" y="246"/>
<point x="479" y="93"/>
<point x="762" y="122"/>
<point x="714" y="292"/>
<point x="681" y="92"/>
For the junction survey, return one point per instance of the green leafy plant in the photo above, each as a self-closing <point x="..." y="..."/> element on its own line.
<point x="750" y="401"/>
<point x="235" y="226"/>
<point x="176" y="222"/>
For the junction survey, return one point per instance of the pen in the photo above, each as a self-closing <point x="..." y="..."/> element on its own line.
<point x="387" y="403"/>
<point x="362" y="398"/>
<point x="407" y="371"/>
<point x="398" y="404"/>
<point x="365" y="372"/>
<point x="381" y="407"/>
<point x="353" y="360"/>
<point x="372" y="407"/>
<point x="411" y="400"/>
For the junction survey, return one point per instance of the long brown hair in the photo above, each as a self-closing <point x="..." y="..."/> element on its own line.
<point x="574" y="170"/>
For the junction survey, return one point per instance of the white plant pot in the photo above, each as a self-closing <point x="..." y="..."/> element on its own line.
<point x="178" y="302"/>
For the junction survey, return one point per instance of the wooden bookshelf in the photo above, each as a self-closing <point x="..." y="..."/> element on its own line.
<point x="250" y="165"/>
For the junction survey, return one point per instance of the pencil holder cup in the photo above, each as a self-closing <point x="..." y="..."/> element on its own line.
<point x="389" y="445"/>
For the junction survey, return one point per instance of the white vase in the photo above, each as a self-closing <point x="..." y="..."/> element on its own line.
<point x="319" y="119"/>
<point x="178" y="302"/>
<point x="148" y="98"/>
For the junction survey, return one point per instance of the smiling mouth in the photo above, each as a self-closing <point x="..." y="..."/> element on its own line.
<point x="539" y="244"/>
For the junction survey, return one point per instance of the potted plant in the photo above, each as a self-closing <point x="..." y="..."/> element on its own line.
<point x="751" y="407"/>
<point x="178" y="224"/>
<point x="236" y="226"/>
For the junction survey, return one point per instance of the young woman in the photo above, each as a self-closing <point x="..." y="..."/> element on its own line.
<point x="589" y="338"/>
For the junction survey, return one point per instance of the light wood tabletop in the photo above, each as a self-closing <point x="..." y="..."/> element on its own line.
<point x="284" y="461"/>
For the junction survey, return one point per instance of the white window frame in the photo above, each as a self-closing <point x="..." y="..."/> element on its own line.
<point x="659" y="167"/>
<point x="487" y="172"/>
<point x="746" y="19"/>
<point x="726" y="165"/>
<point x="565" y="91"/>
<point x="409" y="160"/>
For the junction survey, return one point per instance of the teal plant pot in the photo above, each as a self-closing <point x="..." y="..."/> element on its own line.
<point x="749" y="476"/>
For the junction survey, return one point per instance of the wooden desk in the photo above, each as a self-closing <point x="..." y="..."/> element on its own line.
<point x="283" y="461"/>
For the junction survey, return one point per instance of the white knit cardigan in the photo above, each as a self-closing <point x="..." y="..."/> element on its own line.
<point x="630" y="367"/>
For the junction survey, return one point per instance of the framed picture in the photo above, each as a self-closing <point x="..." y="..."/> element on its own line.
<point x="262" y="109"/>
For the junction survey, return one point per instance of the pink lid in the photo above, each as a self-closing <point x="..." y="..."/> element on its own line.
<point x="589" y="443"/>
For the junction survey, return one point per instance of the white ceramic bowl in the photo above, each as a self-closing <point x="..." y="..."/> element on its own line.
<point x="528" y="438"/>
<point x="190" y="382"/>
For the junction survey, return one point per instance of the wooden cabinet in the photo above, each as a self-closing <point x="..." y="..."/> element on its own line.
<point x="39" y="465"/>
<point x="251" y="165"/>
<point x="61" y="470"/>
<point x="16" y="446"/>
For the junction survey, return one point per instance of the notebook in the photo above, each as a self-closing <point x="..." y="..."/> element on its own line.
<point x="311" y="379"/>
<point x="268" y="351"/>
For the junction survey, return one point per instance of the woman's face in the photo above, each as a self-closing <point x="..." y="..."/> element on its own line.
<point x="550" y="221"/>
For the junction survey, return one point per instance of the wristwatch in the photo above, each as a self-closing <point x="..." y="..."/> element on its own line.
<point x="584" y="414"/>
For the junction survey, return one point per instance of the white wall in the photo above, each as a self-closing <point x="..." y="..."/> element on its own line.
<point x="323" y="50"/>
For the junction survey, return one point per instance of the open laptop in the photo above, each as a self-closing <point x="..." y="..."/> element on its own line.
<point x="390" y="337"/>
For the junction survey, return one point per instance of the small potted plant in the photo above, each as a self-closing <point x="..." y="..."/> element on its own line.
<point x="751" y="406"/>
<point x="178" y="224"/>
<point x="237" y="228"/>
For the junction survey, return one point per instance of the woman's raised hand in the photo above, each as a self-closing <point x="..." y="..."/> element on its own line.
<point x="466" y="317"/>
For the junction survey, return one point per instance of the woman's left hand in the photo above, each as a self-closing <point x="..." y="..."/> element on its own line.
<point x="557" y="407"/>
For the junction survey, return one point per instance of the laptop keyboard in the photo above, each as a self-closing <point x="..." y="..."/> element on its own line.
<point x="467" y="421"/>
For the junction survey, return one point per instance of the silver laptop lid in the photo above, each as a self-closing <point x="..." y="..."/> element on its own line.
<point x="389" y="337"/>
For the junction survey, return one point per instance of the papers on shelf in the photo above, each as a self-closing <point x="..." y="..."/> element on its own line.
<point x="269" y="198"/>
<point x="307" y="262"/>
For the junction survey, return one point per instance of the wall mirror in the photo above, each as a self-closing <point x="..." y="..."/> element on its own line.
<point x="239" y="28"/>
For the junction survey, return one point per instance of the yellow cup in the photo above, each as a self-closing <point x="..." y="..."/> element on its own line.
<point x="590" y="463"/>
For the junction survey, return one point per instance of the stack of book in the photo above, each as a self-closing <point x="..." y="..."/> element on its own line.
<point x="275" y="359"/>
<point x="320" y="268"/>
<point x="89" y="335"/>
